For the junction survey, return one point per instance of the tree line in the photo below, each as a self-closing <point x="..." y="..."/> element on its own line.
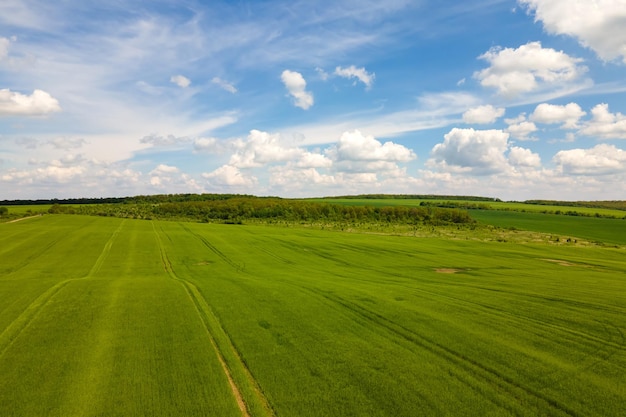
<point x="237" y="209"/>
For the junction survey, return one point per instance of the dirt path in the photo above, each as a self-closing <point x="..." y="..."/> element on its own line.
<point x="24" y="218"/>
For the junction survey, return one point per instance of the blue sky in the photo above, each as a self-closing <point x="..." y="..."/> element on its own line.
<point x="510" y="99"/>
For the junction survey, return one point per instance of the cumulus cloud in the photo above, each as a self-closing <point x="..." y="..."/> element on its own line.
<point x="522" y="130"/>
<point x="469" y="150"/>
<point x="168" y="177"/>
<point x="262" y="148"/>
<point x="228" y="175"/>
<point x="483" y="114"/>
<point x="602" y="159"/>
<point x="52" y="173"/>
<point x="164" y="169"/>
<point x="296" y="86"/>
<point x="604" y="124"/>
<point x="597" y="24"/>
<point x="160" y="140"/>
<point x="568" y="115"/>
<point x="181" y="81"/>
<point x="359" y="73"/>
<point x="524" y="158"/>
<point x="527" y="68"/>
<point x="313" y="160"/>
<point x="207" y="145"/>
<point x="355" y="152"/>
<point x="290" y="178"/>
<point x="354" y="146"/>
<point x="36" y="104"/>
<point x="224" y="85"/>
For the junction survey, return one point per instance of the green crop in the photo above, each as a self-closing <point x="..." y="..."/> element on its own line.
<point x="112" y="317"/>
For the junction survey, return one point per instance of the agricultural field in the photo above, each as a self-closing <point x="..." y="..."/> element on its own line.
<point x="482" y="205"/>
<point x="103" y="316"/>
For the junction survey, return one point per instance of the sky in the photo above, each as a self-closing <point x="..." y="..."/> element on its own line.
<point x="508" y="99"/>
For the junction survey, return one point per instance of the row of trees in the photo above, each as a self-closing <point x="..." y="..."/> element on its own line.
<point x="237" y="209"/>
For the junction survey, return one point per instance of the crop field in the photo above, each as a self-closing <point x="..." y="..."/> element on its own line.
<point x="102" y="316"/>
<point x="493" y="205"/>
<point x="602" y="230"/>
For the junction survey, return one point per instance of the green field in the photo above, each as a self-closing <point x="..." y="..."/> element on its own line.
<point x="102" y="316"/>
<point x="493" y="205"/>
<point x="602" y="230"/>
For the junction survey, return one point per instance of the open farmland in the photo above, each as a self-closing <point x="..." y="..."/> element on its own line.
<point x="105" y="316"/>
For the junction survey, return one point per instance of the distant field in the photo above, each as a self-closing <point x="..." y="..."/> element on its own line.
<point x="510" y="215"/>
<point x="105" y="316"/>
<point x="604" y="230"/>
<point x="495" y="205"/>
<point x="21" y="211"/>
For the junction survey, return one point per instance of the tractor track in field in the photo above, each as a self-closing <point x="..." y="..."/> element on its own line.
<point x="523" y="320"/>
<point x="215" y="250"/>
<point x="11" y="333"/>
<point x="615" y="343"/>
<point x="34" y="256"/>
<point x="214" y="330"/>
<point x="471" y="366"/>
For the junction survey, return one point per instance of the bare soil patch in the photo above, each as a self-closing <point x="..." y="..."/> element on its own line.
<point x="448" y="270"/>
<point x="562" y="262"/>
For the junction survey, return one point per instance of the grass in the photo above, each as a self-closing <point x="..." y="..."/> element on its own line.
<point x="103" y="316"/>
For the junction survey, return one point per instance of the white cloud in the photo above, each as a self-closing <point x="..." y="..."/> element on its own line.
<point x="181" y="81"/>
<point x="483" y="114"/>
<point x="16" y="104"/>
<point x="224" y="85"/>
<point x="322" y="74"/>
<point x="164" y="169"/>
<point x="527" y="68"/>
<point x="602" y="159"/>
<point x="4" y="48"/>
<point x="296" y="85"/>
<point x="357" y="153"/>
<point x="159" y="140"/>
<point x="313" y="160"/>
<point x="262" y="148"/>
<point x="207" y="145"/>
<point x="52" y="173"/>
<point x="604" y="124"/>
<point x="359" y="73"/>
<point x="524" y="158"/>
<point x="228" y="175"/>
<point x="354" y="146"/>
<point x="568" y="115"/>
<point x="469" y="150"/>
<point x="597" y="24"/>
<point x="297" y="179"/>
<point x="522" y="130"/>
<point x="168" y="178"/>
<point x="67" y="143"/>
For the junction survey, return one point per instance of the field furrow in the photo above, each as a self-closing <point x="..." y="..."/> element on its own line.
<point x="227" y="354"/>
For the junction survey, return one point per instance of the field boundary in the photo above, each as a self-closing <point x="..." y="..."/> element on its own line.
<point x="246" y="391"/>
